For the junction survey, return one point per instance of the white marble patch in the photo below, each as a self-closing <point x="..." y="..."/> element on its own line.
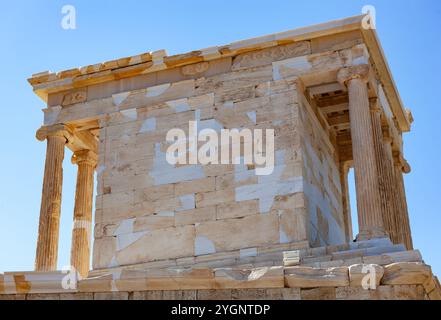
<point x="294" y="65"/>
<point x="188" y="202"/>
<point x="209" y="124"/>
<point x="148" y="125"/>
<point x="125" y="240"/>
<point x="165" y="173"/>
<point x="229" y="104"/>
<point x="119" y="98"/>
<point x="252" y="116"/>
<point x="126" y="226"/>
<point x="203" y="245"/>
<point x="250" y="252"/>
<point x="114" y="263"/>
<point x="180" y="105"/>
<point x="131" y="114"/>
<point x="166" y="214"/>
<point x="157" y="90"/>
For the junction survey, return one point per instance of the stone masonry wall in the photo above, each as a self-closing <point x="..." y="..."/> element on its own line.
<point x="149" y="210"/>
<point x="322" y="186"/>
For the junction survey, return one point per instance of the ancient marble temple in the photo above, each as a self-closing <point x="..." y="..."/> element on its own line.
<point x="219" y="231"/>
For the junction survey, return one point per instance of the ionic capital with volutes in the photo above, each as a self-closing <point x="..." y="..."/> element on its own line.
<point x="58" y="130"/>
<point x="353" y="72"/>
<point x="85" y="157"/>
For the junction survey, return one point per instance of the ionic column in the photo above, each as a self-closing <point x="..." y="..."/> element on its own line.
<point x="400" y="166"/>
<point x="385" y="175"/>
<point x="82" y="228"/>
<point x="344" y="171"/>
<point x="366" y="173"/>
<point x="48" y="231"/>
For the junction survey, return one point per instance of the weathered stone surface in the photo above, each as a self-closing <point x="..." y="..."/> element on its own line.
<point x="318" y="294"/>
<point x="265" y="231"/>
<point x="267" y="56"/>
<point x="111" y="296"/>
<point x="218" y="294"/>
<point x="76" y="296"/>
<point x="406" y="273"/>
<point x="306" y="277"/>
<point x="161" y="244"/>
<point x="12" y="297"/>
<point x="266" y="277"/>
<point x="283" y="294"/>
<point x="42" y="297"/>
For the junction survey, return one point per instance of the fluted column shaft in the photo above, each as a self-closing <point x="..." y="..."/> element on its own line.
<point x="403" y="217"/>
<point x="344" y="171"/>
<point x="82" y="228"/>
<point x="48" y="230"/>
<point x="366" y="173"/>
<point x="385" y="176"/>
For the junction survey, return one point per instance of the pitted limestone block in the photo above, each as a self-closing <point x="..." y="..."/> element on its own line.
<point x="358" y="272"/>
<point x="150" y="279"/>
<point x="307" y="277"/>
<point x="349" y="254"/>
<point x="101" y="283"/>
<point x="379" y="242"/>
<point x="353" y="293"/>
<point x="179" y="295"/>
<point x="318" y="294"/>
<point x="283" y="294"/>
<point x="12" y="297"/>
<point x="148" y="295"/>
<point x="179" y="278"/>
<point x="230" y="234"/>
<point x="35" y="282"/>
<point x="328" y="264"/>
<point x="405" y="256"/>
<point x="409" y="292"/>
<point x="195" y="216"/>
<point x="265" y="277"/>
<point x="175" y="242"/>
<point x="305" y="64"/>
<point x="76" y="296"/>
<point x="392" y="257"/>
<point x="237" y="209"/>
<point x="435" y="293"/>
<point x="314" y="260"/>
<point x="111" y="296"/>
<point x="383" y="250"/>
<point x="267" y="56"/>
<point x="196" y="186"/>
<point x="406" y="273"/>
<point x="248" y="294"/>
<point x="195" y="69"/>
<point x="337" y="248"/>
<point x="214" y="294"/>
<point x="36" y="296"/>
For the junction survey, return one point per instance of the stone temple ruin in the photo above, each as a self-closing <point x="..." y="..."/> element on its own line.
<point x="217" y="231"/>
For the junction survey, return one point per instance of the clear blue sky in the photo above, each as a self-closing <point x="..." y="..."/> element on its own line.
<point x="32" y="41"/>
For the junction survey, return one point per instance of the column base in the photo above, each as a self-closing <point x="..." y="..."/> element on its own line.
<point x="371" y="234"/>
